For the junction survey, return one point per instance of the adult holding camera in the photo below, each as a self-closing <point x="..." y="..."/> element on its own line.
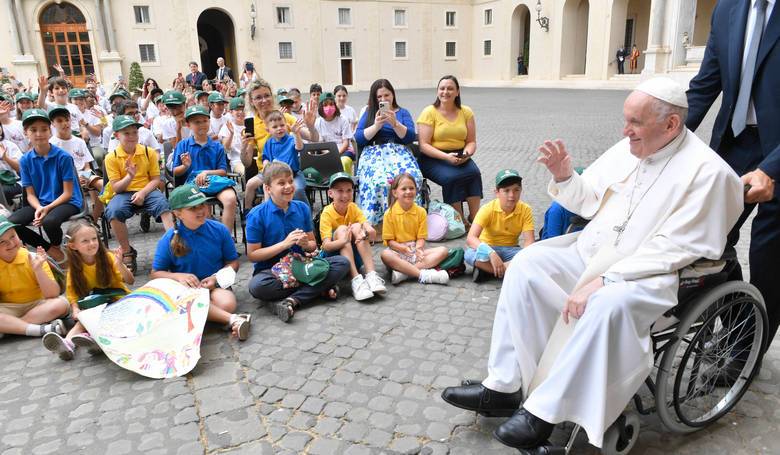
<point x="448" y="140"/>
<point x="383" y="132"/>
<point x="248" y="75"/>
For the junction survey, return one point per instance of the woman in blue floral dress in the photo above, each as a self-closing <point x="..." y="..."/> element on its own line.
<point x="383" y="135"/>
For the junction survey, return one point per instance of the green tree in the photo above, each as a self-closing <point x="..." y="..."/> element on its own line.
<point x="136" y="79"/>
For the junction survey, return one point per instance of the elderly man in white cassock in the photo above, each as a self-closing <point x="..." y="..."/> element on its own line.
<point x="657" y="201"/>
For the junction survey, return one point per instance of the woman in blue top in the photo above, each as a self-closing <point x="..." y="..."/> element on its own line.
<point x="194" y="251"/>
<point x="383" y="135"/>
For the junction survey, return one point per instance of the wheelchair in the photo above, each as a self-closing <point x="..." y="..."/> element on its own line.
<point x="707" y="349"/>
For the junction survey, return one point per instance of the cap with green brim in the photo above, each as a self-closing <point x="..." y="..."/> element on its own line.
<point x="281" y="91"/>
<point x="120" y="93"/>
<point x="5" y="97"/>
<point x="199" y="93"/>
<point x="123" y="121"/>
<point x="196" y="110"/>
<point x="313" y="176"/>
<point x="24" y="96"/>
<point x="157" y="99"/>
<point x="76" y="93"/>
<point x="5" y="225"/>
<point x="339" y="177"/>
<point x="327" y="96"/>
<point x="216" y="97"/>
<point x="311" y="272"/>
<point x="283" y="99"/>
<point x="579" y="170"/>
<point x="187" y="195"/>
<point x="173" y="98"/>
<point x="508" y="176"/>
<point x="59" y="109"/>
<point x="241" y="92"/>
<point x="31" y="115"/>
<point x="236" y="103"/>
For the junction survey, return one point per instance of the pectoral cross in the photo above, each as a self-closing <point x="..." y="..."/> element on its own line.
<point x="619" y="230"/>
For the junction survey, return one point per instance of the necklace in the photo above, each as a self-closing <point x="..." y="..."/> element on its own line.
<point x="620" y="228"/>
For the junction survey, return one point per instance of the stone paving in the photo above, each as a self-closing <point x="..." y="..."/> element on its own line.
<point x="346" y="377"/>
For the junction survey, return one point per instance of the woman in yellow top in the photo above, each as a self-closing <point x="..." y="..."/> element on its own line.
<point x="90" y="267"/>
<point x="448" y="140"/>
<point x="261" y="103"/>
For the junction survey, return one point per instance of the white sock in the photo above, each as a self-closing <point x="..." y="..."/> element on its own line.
<point x="34" y="330"/>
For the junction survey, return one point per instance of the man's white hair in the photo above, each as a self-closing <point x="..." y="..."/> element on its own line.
<point x="663" y="110"/>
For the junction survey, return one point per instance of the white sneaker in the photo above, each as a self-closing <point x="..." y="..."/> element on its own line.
<point x="398" y="277"/>
<point x="360" y="289"/>
<point x="432" y="276"/>
<point x="375" y="283"/>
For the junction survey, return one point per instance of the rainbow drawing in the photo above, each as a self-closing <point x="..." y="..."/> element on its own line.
<point x="155" y="295"/>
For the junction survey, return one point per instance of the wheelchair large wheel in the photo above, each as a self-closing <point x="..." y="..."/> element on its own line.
<point x="713" y="358"/>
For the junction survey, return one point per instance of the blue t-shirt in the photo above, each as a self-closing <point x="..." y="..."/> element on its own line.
<point x="46" y="174"/>
<point x="211" y="246"/>
<point x="207" y="157"/>
<point x="387" y="133"/>
<point x="556" y="221"/>
<point x="267" y="224"/>
<point x="282" y="150"/>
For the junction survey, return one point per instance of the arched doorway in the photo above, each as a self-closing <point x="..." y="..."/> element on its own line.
<point x="521" y="32"/>
<point x="66" y="42"/>
<point x="575" y="37"/>
<point x="217" y="38"/>
<point x="630" y="25"/>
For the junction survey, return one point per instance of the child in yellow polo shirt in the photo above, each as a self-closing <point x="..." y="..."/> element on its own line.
<point x="29" y="295"/>
<point x="404" y="231"/>
<point x="345" y="231"/>
<point x="493" y="238"/>
<point x="90" y="267"/>
<point x="134" y="173"/>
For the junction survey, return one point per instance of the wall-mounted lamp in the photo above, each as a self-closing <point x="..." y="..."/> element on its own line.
<point x="252" y="16"/>
<point x="544" y="21"/>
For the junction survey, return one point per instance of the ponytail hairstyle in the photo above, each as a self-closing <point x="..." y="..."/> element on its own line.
<point x="395" y="183"/>
<point x="104" y="266"/>
<point x="178" y="246"/>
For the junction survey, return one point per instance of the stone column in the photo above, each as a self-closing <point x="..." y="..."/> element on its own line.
<point x="109" y="26"/>
<point x="15" y="40"/>
<point x="686" y="15"/>
<point x="21" y="22"/>
<point x="24" y="63"/>
<point x="110" y="61"/>
<point x="657" y="52"/>
<point x="100" y="28"/>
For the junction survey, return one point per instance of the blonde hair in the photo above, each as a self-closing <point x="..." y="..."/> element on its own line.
<point x="254" y="85"/>
<point x="103" y="264"/>
<point x="274" y="170"/>
<point x="273" y="116"/>
<point x="395" y="183"/>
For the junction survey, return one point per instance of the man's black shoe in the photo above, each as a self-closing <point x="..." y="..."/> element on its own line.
<point x="524" y="431"/>
<point x="479" y="275"/>
<point x="476" y="397"/>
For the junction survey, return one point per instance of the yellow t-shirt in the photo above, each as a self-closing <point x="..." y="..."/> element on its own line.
<point x="331" y="219"/>
<point x="404" y="226"/>
<point x="146" y="168"/>
<point x="90" y="273"/>
<point x="262" y="135"/>
<point x="501" y="229"/>
<point x="18" y="283"/>
<point x="447" y="135"/>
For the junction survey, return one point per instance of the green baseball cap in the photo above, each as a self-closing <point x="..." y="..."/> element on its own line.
<point x="121" y="93"/>
<point x="311" y="272"/>
<point x="5" y="97"/>
<point x="313" y="176"/>
<point x="157" y="99"/>
<point x="199" y="93"/>
<point x="196" y="110"/>
<point x="283" y="99"/>
<point x="76" y="93"/>
<point x="24" y="96"/>
<point x="281" y="91"/>
<point x="123" y="121"/>
<point x="506" y="175"/>
<point x="236" y="103"/>
<point x="327" y="96"/>
<point x="216" y="97"/>
<point x="338" y="177"/>
<point x="173" y="97"/>
<point x="241" y="92"/>
<point x="5" y="225"/>
<point x="31" y="115"/>
<point x="579" y="170"/>
<point x="187" y="195"/>
<point x="59" y="109"/>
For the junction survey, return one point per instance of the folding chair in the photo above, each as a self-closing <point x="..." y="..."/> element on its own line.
<point x="324" y="157"/>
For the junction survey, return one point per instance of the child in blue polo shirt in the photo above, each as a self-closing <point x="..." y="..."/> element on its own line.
<point x="203" y="162"/>
<point x="50" y="187"/>
<point x="276" y="227"/>
<point x="284" y="147"/>
<point x="194" y="250"/>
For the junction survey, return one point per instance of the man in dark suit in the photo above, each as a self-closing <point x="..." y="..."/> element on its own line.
<point x="742" y="60"/>
<point x="620" y="57"/>
<point x="222" y="70"/>
<point x="195" y="78"/>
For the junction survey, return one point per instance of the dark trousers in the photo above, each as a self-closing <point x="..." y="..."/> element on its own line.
<point x="52" y="225"/>
<point x="457" y="182"/>
<point x="744" y="155"/>
<point x="621" y="66"/>
<point x="265" y="286"/>
<point x="9" y="191"/>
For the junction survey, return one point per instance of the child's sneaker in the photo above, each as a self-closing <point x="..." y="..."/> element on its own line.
<point x="58" y="345"/>
<point x="375" y="283"/>
<point x="85" y="340"/>
<point x="478" y="275"/>
<point x="432" y="276"/>
<point x="398" y="277"/>
<point x="55" y="326"/>
<point x="360" y="289"/>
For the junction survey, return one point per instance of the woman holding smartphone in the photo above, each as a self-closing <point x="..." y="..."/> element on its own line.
<point x="448" y="140"/>
<point x="383" y="132"/>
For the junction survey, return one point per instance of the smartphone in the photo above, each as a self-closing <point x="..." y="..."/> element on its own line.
<point x="384" y="106"/>
<point x="249" y="126"/>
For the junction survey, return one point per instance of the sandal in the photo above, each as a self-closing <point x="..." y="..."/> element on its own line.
<point x="285" y="309"/>
<point x="333" y="293"/>
<point x="241" y="326"/>
<point x="132" y="264"/>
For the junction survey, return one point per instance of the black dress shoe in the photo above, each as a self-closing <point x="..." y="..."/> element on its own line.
<point x="476" y="397"/>
<point x="524" y="431"/>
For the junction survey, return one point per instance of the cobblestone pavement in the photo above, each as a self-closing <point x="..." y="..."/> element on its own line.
<point x="346" y="377"/>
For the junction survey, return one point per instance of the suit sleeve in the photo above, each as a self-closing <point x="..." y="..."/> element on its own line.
<point x="707" y="84"/>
